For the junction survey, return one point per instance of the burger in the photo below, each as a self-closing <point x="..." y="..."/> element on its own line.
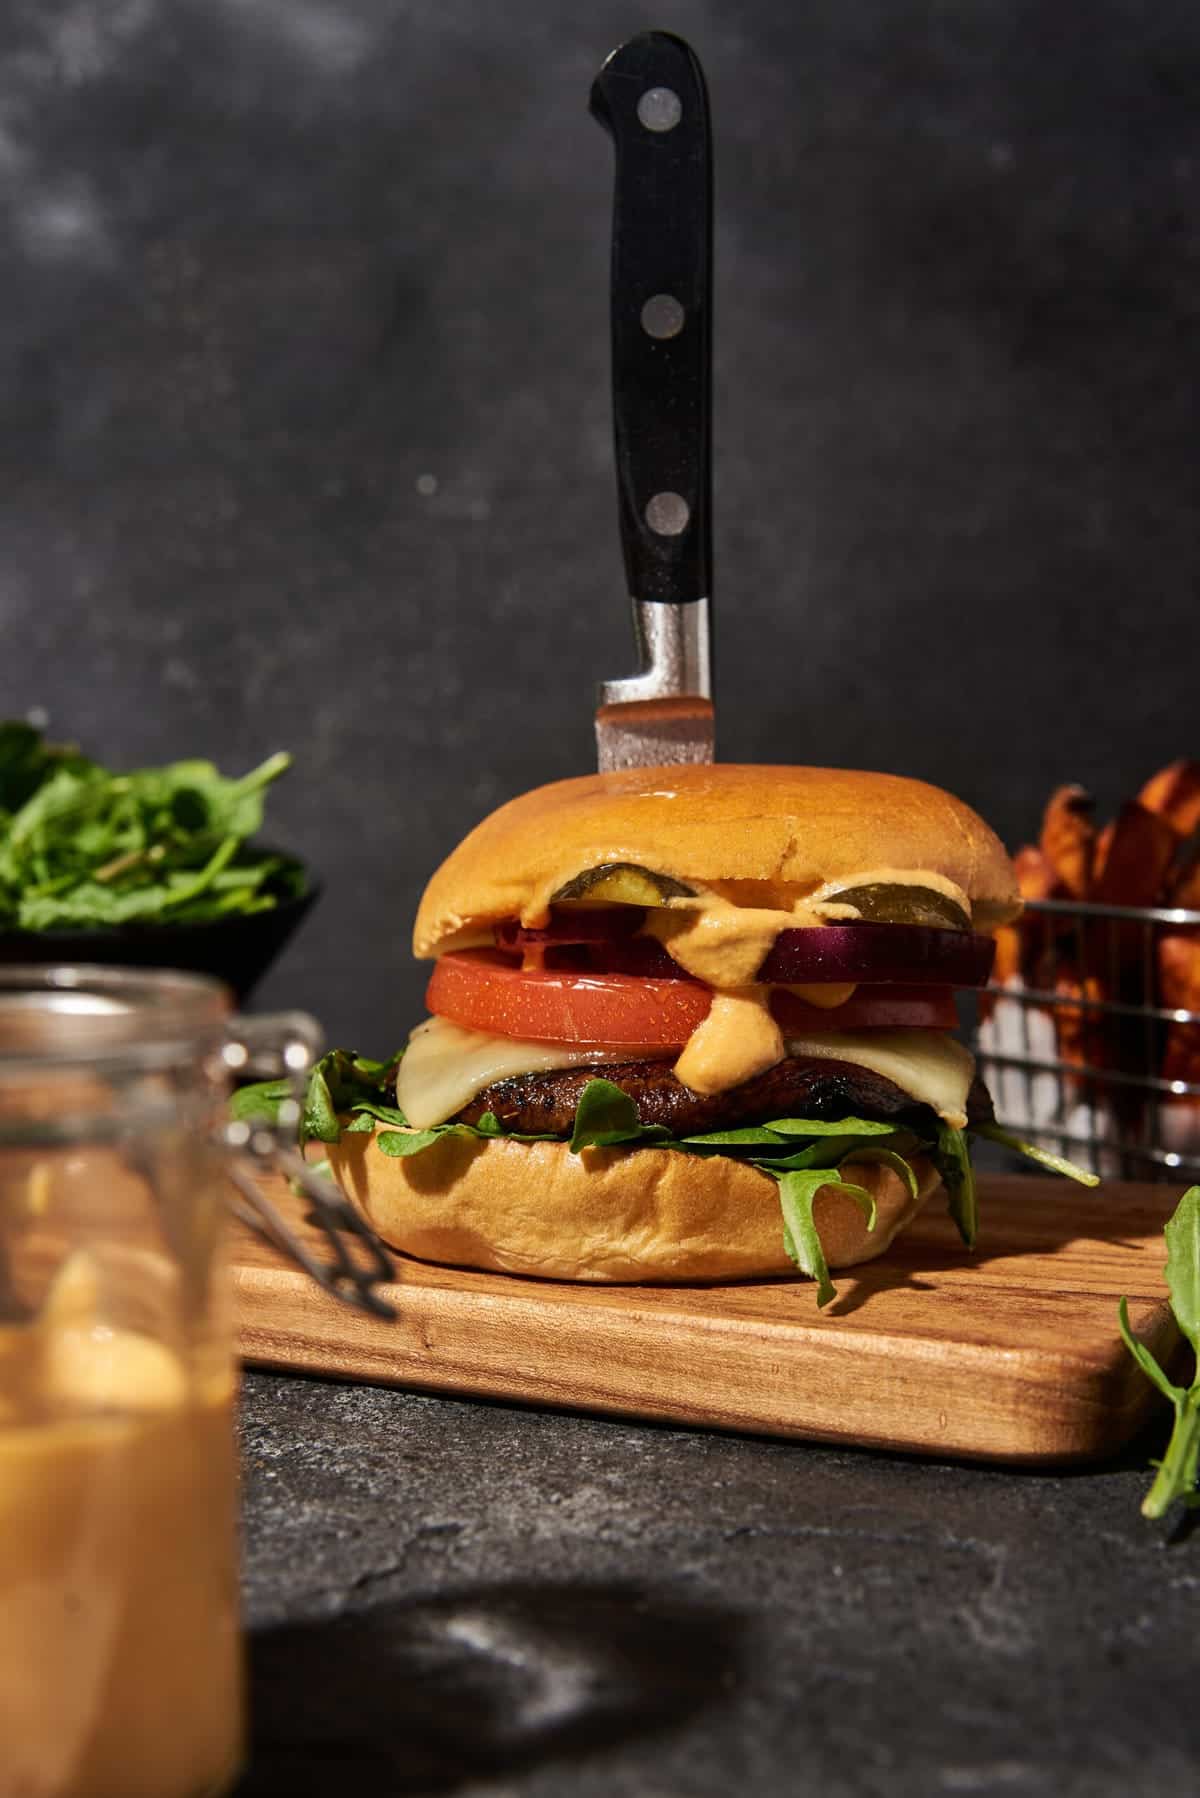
<point x="689" y="1023"/>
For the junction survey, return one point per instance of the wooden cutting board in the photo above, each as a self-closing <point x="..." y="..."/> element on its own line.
<point x="1011" y="1354"/>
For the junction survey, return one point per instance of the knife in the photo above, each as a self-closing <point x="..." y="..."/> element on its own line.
<point x="651" y="99"/>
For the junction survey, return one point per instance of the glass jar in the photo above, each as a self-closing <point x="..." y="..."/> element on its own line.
<point x="120" y="1655"/>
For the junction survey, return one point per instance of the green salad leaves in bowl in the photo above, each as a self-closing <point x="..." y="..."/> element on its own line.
<point x="151" y="868"/>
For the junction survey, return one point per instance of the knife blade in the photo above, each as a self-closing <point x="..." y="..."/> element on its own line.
<point x="650" y="96"/>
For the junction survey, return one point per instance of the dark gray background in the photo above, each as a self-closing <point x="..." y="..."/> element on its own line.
<point x="271" y="264"/>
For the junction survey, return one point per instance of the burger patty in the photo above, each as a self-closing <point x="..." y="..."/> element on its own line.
<point x="536" y="1104"/>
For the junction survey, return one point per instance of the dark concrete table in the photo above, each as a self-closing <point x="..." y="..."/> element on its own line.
<point x="450" y="1597"/>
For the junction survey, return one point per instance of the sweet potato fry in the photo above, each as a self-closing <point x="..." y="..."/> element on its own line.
<point x="1148" y="856"/>
<point x="1174" y="794"/>
<point x="1185" y="884"/>
<point x="1179" y="970"/>
<point x="1133" y="855"/>
<point x="1068" y="840"/>
<point x="1008" y="957"/>
<point x="1181" y="1060"/>
<point x="1082" y="1033"/>
<point x="1179" y="988"/>
<point x="1035" y="877"/>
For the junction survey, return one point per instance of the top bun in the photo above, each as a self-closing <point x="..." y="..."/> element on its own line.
<point x="796" y="827"/>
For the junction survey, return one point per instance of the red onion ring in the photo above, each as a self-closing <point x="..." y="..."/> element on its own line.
<point x="870" y="954"/>
<point x="878" y="954"/>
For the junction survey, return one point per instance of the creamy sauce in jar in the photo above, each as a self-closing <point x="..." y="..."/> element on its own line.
<point x="120" y="1664"/>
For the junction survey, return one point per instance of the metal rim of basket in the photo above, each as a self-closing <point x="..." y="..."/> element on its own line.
<point x="1081" y="1116"/>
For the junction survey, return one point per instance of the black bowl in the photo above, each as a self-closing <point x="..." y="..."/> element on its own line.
<point x="237" y="950"/>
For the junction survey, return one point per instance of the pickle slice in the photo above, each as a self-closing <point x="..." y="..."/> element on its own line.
<point x="623" y="883"/>
<point x="891" y="902"/>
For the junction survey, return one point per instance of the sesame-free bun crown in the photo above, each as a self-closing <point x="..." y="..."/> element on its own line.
<point x="793" y="827"/>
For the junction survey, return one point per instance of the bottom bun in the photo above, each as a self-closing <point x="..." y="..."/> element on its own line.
<point x="623" y="1215"/>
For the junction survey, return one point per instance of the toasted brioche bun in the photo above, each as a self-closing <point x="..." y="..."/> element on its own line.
<point x="619" y="1215"/>
<point x="795" y="827"/>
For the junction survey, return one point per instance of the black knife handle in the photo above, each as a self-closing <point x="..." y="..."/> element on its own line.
<point x="651" y="98"/>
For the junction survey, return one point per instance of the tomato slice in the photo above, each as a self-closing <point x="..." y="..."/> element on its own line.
<point x="482" y="989"/>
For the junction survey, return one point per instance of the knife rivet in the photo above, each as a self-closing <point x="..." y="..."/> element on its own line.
<point x="667" y="514"/>
<point x="662" y="316"/>
<point x="660" y="109"/>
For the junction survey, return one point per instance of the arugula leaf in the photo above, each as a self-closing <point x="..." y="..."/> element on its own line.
<point x="261" y="1100"/>
<point x="367" y="1110"/>
<point x="378" y="1073"/>
<point x="769" y="1135"/>
<point x="952" y="1158"/>
<point x="1145" y="1359"/>
<point x="319" y="1121"/>
<point x="801" y="1238"/>
<point x="1178" y="1473"/>
<point x="351" y="1079"/>
<point x="887" y="1158"/>
<point x="343" y="1083"/>
<point x="1057" y="1164"/>
<point x="1182" y="1234"/>
<point x="410" y="1142"/>
<point x="605" y="1117"/>
<point x="603" y="1111"/>
<point x="830" y="1151"/>
<point x="489" y="1126"/>
<point x="843" y="1127"/>
<point x="400" y="1143"/>
<point x="741" y="1136"/>
<point x="25" y="761"/>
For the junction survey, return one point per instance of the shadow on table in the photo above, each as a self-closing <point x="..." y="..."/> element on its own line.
<point x="425" y="1696"/>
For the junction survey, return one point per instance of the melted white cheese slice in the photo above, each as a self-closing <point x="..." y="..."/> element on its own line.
<point x="934" y="1068"/>
<point x="445" y="1066"/>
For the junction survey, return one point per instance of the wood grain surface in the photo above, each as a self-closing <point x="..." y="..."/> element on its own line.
<point x="1010" y="1354"/>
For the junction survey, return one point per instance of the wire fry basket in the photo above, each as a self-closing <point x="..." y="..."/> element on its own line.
<point x="1078" y="1048"/>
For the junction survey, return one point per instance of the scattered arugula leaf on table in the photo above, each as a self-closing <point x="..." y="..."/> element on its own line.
<point x="1176" y="1476"/>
